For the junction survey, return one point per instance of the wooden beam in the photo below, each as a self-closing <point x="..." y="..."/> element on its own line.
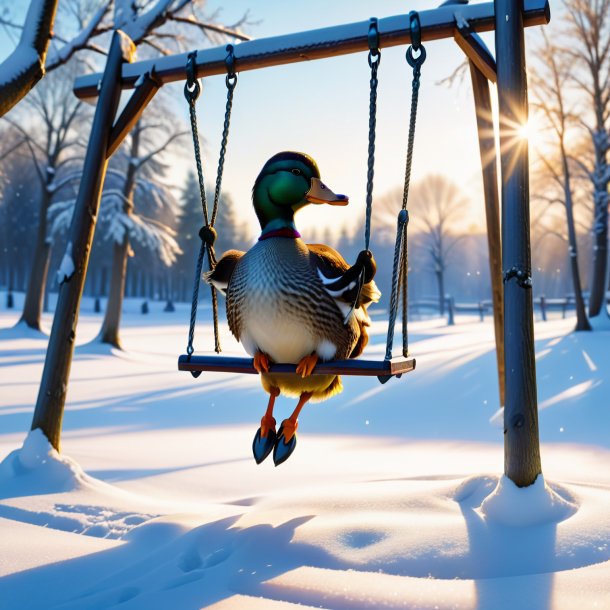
<point x="338" y="40"/>
<point x="51" y="400"/>
<point x="487" y="149"/>
<point x="521" y="438"/>
<point x="229" y="364"/>
<point x="132" y="112"/>
<point x="475" y="49"/>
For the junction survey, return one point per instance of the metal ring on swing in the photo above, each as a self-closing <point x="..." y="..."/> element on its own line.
<point x="231" y="78"/>
<point x="416" y="45"/>
<point x="373" y="39"/>
<point x="192" y="88"/>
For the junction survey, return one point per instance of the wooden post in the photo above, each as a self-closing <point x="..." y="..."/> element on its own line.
<point x="487" y="148"/>
<point x="52" y="393"/>
<point x="521" y="441"/>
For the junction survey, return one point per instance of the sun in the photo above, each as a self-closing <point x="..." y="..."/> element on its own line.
<point x="531" y="131"/>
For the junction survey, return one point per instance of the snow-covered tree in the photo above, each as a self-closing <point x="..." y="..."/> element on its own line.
<point x="587" y="44"/>
<point x="48" y="121"/>
<point x="136" y="177"/>
<point x="46" y="42"/>
<point x="547" y="81"/>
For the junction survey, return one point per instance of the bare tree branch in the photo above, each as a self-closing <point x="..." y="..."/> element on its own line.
<point x="24" y="67"/>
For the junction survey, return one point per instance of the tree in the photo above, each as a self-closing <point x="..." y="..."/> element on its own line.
<point x="56" y="150"/>
<point x="136" y="177"/>
<point x="548" y="81"/>
<point x="81" y="22"/>
<point x="125" y="225"/>
<point x="19" y="193"/>
<point x="24" y="67"/>
<point x="587" y="43"/>
<point x="434" y="203"/>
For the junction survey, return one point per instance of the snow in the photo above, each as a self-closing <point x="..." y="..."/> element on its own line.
<point x="537" y="504"/>
<point x="66" y="267"/>
<point x="394" y="497"/>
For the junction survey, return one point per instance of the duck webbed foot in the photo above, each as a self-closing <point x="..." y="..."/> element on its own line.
<point x="287" y="439"/>
<point x="261" y="362"/>
<point x="307" y="365"/>
<point x="266" y="437"/>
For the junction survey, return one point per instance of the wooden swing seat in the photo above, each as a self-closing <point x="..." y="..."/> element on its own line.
<point x="229" y="364"/>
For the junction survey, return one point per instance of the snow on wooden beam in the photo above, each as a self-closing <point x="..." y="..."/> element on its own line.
<point x="436" y="24"/>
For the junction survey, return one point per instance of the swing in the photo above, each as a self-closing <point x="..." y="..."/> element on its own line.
<point x="383" y="369"/>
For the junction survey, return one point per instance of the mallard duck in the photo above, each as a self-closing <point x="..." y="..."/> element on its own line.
<point x="292" y="302"/>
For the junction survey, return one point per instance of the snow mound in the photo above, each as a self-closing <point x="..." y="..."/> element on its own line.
<point x="82" y="503"/>
<point x="37" y="465"/>
<point x="524" y="506"/>
<point x="22" y="331"/>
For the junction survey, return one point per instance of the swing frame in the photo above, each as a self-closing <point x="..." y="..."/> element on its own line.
<point x="513" y="307"/>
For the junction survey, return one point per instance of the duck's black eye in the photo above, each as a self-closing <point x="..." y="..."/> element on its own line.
<point x="296" y="172"/>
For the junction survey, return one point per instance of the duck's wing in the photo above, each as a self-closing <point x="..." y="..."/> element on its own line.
<point x="332" y="269"/>
<point x="221" y="275"/>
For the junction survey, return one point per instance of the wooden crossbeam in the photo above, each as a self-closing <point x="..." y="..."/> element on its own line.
<point x="230" y="364"/>
<point x="475" y="49"/>
<point x="140" y="98"/>
<point x="436" y="23"/>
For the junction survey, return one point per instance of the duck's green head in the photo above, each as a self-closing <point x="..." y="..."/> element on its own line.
<point x="288" y="182"/>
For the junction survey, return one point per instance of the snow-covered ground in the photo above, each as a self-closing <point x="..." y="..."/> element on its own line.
<point x="392" y="499"/>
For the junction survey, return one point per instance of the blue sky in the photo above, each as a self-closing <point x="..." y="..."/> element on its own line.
<point x="321" y="108"/>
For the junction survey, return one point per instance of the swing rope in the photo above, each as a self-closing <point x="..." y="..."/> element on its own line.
<point x="374" y="59"/>
<point x="207" y="233"/>
<point x="401" y="263"/>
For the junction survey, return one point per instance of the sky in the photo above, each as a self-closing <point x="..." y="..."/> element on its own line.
<point x="321" y="108"/>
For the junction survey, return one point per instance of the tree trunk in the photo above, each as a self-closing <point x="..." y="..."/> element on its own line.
<point x="600" y="225"/>
<point x="112" y="318"/>
<point x="582" y="322"/>
<point x="599" y="271"/>
<point x="34" y="298"/>
<point x="440" y="280"/>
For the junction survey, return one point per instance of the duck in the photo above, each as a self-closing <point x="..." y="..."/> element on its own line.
<point x="292" y="302"/>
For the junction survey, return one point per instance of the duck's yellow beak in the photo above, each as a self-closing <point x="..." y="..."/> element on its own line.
<point x="320" y="193"/>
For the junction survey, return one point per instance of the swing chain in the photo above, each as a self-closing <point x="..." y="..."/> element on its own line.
<point x="401" y="262"/>
<point x="231" y="82"/>
<point x="374" y="58"/>
<point x="398" y="273"/>
<point x="207" y="233"/>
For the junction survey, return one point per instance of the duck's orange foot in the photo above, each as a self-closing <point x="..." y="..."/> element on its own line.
<point x="307" y="365"/>
<point x="289" y="429"/>
<point x="286" y="441"/>
<point x="261" y="362"/>
<point x="267" y="425"/>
